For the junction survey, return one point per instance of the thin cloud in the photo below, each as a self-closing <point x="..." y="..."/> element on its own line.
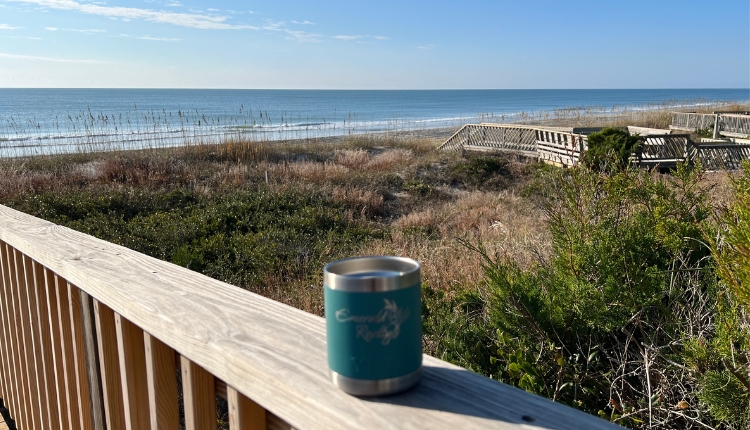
<point x="349" y="37"/>
<point x="274" y="25"/>
<point x="430" y="46"/>
<point x="358" y="37"/>
<point x="303" y="22"/>
<point x="194" y="20"/>
<point x="158" y="39"/>
<point x="22" y="37"/>
<point x="51" y="59"/>
<point x="297" y="35"/>
<point x="8" y="27"/>
<point x="302" y="36"/>
<point x="74" y="30"/>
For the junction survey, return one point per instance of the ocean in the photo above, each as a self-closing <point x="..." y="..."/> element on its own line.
<point x="48" y="121"/>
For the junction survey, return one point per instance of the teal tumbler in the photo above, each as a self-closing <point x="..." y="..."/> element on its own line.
<point x="373" y="324"/>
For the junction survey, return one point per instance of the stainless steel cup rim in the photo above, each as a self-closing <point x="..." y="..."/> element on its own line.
<point x="371" y="274"/>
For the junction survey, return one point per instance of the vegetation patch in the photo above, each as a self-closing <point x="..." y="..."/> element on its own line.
<point x="612" y="146"/>
<point x="486" y="172"/>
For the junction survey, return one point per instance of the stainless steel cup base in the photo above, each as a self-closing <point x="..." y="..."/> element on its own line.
<point x="382" y="387"/>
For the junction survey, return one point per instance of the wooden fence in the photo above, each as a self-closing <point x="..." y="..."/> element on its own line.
<point x="692" y="121"/>
<point x="560" y="148"/>
<point x="94" y="335"/>
<point x="493" y="136"/>
<point x="735" y="125"/>
<point x="563" y="147"/>
<point x="721" y="156"/>
<point x="665" y="150"/>
<point x="730" y="124"/>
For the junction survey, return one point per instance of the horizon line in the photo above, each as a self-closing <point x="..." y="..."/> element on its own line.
<point x="372" y="89"/>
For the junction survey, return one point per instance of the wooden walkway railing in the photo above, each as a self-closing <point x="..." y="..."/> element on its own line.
<point x="563" y="147"/>
<point x="730" y="124"/>
<point x="94" y="335"/>
<point x="495" y="136"/>
<point x="735" y="125"/>
<point x="689" y="121"/>
<point x="721" y="156"/>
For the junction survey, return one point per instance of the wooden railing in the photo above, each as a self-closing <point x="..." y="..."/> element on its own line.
<point x="663" y="150"/>
<point x="729" y="124"/>
<point x="735" y="125"/>
<point x="689" y="121"/>
<point x="560" y="148"/>
<point x="94" y="335"/>
<point x="563" y="147"/>
<point x="493" y="136"/>
<point x="721" y="156"/>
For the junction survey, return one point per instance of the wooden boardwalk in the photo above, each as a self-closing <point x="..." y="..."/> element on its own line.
<point x="563" y="146"/>
<point x="660" y="149"/>
<point x="731" y="124"/>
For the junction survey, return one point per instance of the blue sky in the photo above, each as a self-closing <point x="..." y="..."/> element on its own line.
<point x="375" y="45"/>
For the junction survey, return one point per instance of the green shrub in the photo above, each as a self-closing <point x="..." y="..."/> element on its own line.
<point x="722" y="360"/>
<point x="241" y="237"/>
<point x="481" y="172"/>
<point x="707" y="132"/>
<point x="733" y="256"/>
<point x="609" y="146"/>
<point x="627" y="277"/>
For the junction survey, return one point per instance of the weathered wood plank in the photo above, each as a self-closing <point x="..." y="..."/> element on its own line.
<point x="33" y="402"/>
<point x="67" y="358"/>
<point x="132" y="356"/>
<point x="271" y="353"/>
<point x="7" y="345"/>
<point x="162" y="384"/>
<point x="61" y="359"/>
<point x="93" y="371"/>
<point x="14" y="324"/>
<point x="46" y="366"/>
<point x="82" y="385"/>
<point x="56" y="343"/>
<point x="199" y="396"/>
<point x="109" y="362"/>
<point x="244" y="414"/>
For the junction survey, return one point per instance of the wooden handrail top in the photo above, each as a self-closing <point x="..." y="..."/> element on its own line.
<point x="736" y="115"/>
<point x="272" y="353"/>
<point x="546" y="128"/>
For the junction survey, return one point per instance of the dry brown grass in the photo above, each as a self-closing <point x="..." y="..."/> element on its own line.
<point x="722" y="193"/>
<point x="389" y="159"/>
<point x="144" y="170"/>
<point x="352" y="158"/>
<point x="232" y="150"/>
<point x="304" y="171"/>
<point x="365" y="202"/>
<point x="504" y="223"/>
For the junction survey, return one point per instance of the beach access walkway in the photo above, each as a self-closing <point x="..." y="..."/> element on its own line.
<point x="659" y="148"/>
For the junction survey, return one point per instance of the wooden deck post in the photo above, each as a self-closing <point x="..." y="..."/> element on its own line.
<point x="93" y="368"/>
<point x="716" y="126"/>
